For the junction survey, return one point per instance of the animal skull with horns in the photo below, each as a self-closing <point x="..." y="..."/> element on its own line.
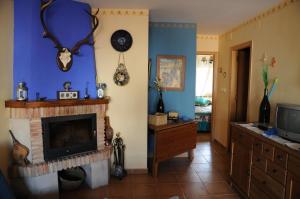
<point x="64" y="55"/>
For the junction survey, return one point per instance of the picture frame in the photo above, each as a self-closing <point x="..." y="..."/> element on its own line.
<point x="171" y="71"/>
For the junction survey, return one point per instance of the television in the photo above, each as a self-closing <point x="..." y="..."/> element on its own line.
<point x="287" y="121"/>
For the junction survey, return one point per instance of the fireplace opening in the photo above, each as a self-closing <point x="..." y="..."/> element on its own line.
<point x="69" y="135"/>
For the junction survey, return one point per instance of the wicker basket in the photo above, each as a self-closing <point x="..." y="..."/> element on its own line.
<point x="158" y="119"/>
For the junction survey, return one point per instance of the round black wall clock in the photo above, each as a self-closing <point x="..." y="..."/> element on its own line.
<point x="121" y="40"/>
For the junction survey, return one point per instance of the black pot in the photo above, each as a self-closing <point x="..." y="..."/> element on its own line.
<point x="71" y="179"/>
<point x="264" y="109"/>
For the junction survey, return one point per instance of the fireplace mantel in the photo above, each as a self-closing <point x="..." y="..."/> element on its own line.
<point x="54" y="103"/>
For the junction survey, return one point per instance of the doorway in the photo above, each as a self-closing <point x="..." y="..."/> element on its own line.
<point x="243" y="64"/>
<point x="239" y="84"/>
<point x="204" y="93"/>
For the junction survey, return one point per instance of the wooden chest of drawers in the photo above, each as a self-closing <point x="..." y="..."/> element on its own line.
<point x="273" y="171"/>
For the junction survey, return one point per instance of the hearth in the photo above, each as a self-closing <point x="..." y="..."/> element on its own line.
<point x="69" y="135"/>
<point x="61" y="134"/>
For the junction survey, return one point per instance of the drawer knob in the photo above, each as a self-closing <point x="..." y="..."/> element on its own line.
<point x="279" y="157"/>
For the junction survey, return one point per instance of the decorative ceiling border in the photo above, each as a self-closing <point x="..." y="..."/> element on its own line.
<point x="123" y="12"/>
<point x="261" y="16"/>
<point x="208" y="37"/>
<point x="173" y="25"/>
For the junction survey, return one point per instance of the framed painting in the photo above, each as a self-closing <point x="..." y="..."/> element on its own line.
<point x="171" y="71"/>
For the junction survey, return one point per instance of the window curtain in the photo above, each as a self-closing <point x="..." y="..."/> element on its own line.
<point x="204" y="76"/>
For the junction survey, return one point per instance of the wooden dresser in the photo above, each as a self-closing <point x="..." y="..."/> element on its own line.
<point x="170" y="140"/>
<point x="262" y="168"/>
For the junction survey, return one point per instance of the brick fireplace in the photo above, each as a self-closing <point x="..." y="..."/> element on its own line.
<point x="32" y="123"/>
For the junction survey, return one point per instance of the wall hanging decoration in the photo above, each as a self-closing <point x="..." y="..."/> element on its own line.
<point x="121" y="76"/>
<point x="22" y="92"/>
<point x="67" y="93"/>
<point x="64" y="56"/>
<point x="171" y="71"/>
<point x="119" y="148"/>
<point x="121" y="41"/>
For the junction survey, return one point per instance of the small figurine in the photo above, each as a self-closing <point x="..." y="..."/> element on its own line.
<point x="67" y="86"/>
<point x="38" y="98"/>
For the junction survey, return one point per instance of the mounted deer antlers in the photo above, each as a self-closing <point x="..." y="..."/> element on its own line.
<point x="64" y="56"/>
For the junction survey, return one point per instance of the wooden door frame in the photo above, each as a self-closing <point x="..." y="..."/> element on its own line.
<point x="232" y="83"/>
<point x="214" y="92"/>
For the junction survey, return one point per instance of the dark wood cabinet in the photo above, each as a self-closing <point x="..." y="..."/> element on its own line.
<point x="293" y="187"/>
<point x="171" y="140"/>
<point x="263" y="168"/>
<point x="293" y="178"/>
<point x="240" y="160"/>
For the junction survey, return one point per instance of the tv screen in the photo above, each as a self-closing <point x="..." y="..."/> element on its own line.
<point x="288" y="121"/>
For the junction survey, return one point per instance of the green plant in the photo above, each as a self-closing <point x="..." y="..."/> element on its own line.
<point x="265" y="75"/>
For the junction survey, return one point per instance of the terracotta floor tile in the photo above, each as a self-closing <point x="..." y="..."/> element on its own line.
<point x="218" y="188"/>
<point x="144" y="190"/>
<point x="193" y="190"/>
<point x="210" y="176"/>
<point x="143" y="178"/>
<point x="188" y="177"/>
<point x="169" y="189"/>
<point x="199" y="160"/>
<point x="120" y="190"/>
<point x="166" y="178"/>
<point x="206" y="167"/>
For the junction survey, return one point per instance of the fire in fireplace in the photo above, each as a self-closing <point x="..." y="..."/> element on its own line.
<point x="69" y="135"/>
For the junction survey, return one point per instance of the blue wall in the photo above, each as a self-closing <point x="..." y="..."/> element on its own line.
<point x="35" y="57"/>
<point x="174" y="39"/>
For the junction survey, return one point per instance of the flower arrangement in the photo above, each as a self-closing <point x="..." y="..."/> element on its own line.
<point x="265" y="74"/>
<point x="158" y="85"/>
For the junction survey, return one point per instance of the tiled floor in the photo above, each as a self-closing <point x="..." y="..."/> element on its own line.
<point x="205" y="177"/>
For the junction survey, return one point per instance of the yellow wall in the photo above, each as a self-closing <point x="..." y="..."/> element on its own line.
<point x="6" y="62"/>
<point x="275" y="33"/>
<point x="207" y="43"/>
<point x="128" y="107"/>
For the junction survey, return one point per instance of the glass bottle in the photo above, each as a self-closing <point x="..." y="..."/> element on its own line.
<point x="160" y="105"/>
<point x="264" y="109"/>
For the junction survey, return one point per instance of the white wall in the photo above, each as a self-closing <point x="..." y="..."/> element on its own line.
<point x="6" y="62"/>
<point x="128" y="106"/>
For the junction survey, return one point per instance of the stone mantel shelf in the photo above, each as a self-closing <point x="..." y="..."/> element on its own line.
<point x="54" y="103"/>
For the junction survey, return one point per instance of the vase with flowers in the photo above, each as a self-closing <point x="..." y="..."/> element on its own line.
<point x="160" y="108"/>
<point x="265" y="107"/>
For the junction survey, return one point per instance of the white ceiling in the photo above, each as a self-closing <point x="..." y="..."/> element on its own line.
<point x="212" y="16"/>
